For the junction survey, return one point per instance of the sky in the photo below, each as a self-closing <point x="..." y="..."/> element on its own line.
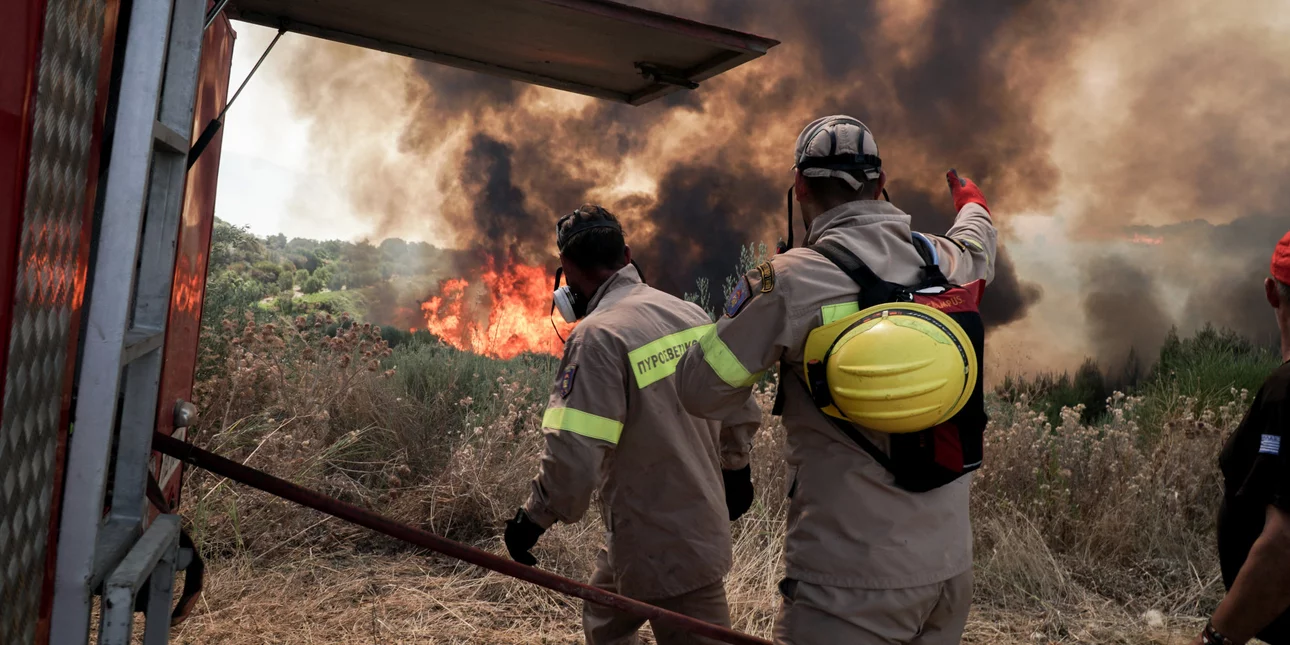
<point x="265" y="174"/>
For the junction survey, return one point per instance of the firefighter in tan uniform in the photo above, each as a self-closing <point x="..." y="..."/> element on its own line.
<point x="867" y="562"/>
<point x="615" y="423"/>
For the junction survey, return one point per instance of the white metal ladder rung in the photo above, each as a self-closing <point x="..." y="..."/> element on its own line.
<point x="169" y="138"/>
<point x="140" y="341"/>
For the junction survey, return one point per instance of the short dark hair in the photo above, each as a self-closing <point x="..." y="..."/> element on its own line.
<point x="832" y="191"/>
<point x="1283" y="290"/>
<point x="595" y="248"/>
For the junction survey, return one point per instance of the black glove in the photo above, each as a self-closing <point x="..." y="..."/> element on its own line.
<point x="521" y="534"/>
<point x="739" y="491"/>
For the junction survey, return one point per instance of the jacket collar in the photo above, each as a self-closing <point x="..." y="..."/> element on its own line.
<point x="854" y="214"/>
<point x="614" y="288"/>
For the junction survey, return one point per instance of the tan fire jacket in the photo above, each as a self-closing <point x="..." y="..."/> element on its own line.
<point x="615" y="422"/>
<point x="848" y="524"/>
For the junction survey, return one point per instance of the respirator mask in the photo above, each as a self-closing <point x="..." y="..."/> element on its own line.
<point x="570" y="305"/>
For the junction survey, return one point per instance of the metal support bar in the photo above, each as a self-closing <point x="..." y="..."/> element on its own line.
<point x="151" y="561"/>
<point x="286" y="490"/>
<point x="655" y="73"/>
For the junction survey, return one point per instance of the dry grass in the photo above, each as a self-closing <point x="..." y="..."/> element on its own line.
<point x="1083" y="533"/>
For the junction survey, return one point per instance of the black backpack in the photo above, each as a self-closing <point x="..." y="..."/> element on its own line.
<point x="928" y="459"/>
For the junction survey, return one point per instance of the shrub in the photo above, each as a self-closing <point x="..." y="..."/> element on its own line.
<point x="265" y="271"/>
<point x="337" y="280"/>
<point x="312" y="285"/>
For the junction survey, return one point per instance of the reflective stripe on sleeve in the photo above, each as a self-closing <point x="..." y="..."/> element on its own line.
<point x="834" y="313"/>
<point x="724" y="362"/>
<point x="658" y="360"/>
<point x="583" y="423"/>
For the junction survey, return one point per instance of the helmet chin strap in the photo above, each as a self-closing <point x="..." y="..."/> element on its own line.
<point x="783" y="246"/>
<point x="559" y="272"/>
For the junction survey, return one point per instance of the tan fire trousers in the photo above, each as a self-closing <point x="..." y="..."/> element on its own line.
<point x="929" y="615"/>
<point x="606" y="626"/>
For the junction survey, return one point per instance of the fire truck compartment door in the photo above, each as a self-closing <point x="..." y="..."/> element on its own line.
<point x="591" y="47"/>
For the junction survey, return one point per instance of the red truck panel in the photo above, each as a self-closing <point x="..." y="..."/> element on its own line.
<point x="54" y="86"/>
<point x="20" y="32"/>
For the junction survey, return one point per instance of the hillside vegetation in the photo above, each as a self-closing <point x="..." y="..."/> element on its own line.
<point x="299" y="276"/>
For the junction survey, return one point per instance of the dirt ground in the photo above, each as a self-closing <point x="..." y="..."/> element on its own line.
<point x="408" y="598"/>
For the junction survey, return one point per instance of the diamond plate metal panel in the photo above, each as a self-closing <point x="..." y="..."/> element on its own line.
<point x="49" y="287"/>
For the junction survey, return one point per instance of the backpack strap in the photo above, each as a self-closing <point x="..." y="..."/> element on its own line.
<point x="932" y="274"/>
<point x="873" y="290"/>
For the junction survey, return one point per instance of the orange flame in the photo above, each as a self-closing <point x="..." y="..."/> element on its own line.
<point x="1139" y="238"/>
<point x="502" y="314"/>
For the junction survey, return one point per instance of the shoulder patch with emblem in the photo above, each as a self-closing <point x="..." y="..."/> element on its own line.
<point x="767" y="271"/>
<point x="738" y="298"/>
<point x="566" y="380"/>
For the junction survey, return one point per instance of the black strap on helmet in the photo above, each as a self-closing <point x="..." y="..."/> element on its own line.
<point x="562" y="237"/>
<point x="842" y="162"/>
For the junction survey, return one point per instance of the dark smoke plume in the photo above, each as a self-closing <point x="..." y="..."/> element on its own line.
<point x="1110" y="114"/>
<point x="1125" y="314"/>
<point x="945" y="105"/>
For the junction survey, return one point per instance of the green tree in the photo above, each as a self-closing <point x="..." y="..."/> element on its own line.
<point x="230" y="245"/>
<point x="312" y="260"/>
<point x="312" y="285"/>
<point x="366" y="260"/>
<point x="337" y="281"/>
<point x="301" y="276"/>
<point x="285" y="281"/>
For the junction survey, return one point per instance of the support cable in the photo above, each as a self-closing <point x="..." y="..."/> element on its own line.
<point x="216" y="123"/>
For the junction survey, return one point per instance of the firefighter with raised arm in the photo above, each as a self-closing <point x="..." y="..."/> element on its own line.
<point x="879" y="344"/>
<point x="615" y="423"/>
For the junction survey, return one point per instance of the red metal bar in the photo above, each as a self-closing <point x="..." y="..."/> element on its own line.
<point x="192" y="247"/>
<point x="260" y="480"/>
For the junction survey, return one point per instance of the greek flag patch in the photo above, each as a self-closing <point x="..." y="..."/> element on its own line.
<point x="1270" y="445"/>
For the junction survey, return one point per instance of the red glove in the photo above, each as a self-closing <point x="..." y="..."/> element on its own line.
<point x="964" y="191"/>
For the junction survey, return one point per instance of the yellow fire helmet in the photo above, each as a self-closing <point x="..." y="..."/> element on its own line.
<point x="897" y="367"/>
